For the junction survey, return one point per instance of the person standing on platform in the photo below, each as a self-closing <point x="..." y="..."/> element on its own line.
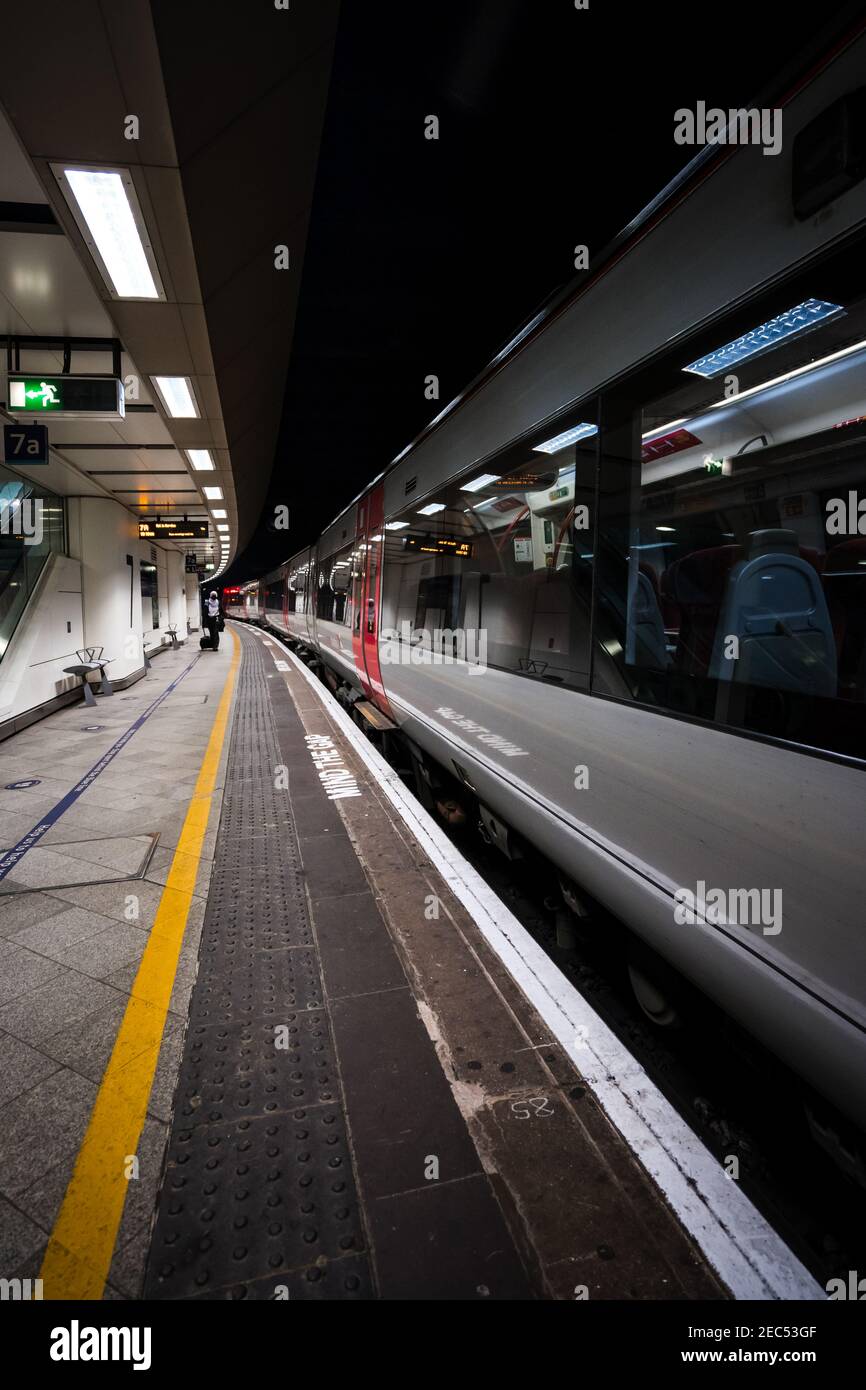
<point x="212" y="618"/>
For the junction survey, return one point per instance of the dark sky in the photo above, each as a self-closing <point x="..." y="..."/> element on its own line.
<point x="556" y="128"/>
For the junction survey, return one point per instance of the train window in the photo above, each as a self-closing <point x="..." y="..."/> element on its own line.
<point x="731" y="570"/>
<point x="496" y="568"/>
<point x="274" y="596"/>
<point x="356" y="583"/>
<point x="335" y="576"/>
<point x="296" y="589"/>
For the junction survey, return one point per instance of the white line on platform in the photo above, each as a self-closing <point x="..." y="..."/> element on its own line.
<point x="747" y="1254"/>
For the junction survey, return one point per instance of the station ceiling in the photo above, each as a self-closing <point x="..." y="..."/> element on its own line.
<point x="214" y="205"/>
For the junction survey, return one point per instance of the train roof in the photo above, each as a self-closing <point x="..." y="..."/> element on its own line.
<point x="781" y="90"/>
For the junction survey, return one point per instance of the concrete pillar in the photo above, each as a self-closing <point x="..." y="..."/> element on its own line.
<point x="193" y="602"/>
<point x="104" y="537"/>
<point x="114" y="564"/>
<point x="176" y="593"/>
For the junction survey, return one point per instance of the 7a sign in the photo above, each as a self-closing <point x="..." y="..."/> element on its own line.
<point x="25" y="443"/>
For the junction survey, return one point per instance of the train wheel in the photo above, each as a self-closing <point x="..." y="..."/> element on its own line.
<point x="654" y="987"/>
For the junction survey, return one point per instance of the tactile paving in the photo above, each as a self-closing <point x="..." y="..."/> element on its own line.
<point x="254" y="1198"/>
<point x="258" y="1198"/>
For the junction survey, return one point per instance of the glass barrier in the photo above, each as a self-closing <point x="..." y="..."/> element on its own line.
<point x="31" y="527"/>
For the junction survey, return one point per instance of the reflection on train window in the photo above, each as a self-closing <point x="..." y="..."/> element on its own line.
<point x="296" y="588"/>
<point x="732" y="569"/>
<point x="497" y="567"/>
<point x="335" y="577"/>
<point x="149" y="591"/>
<point x="274" y="596"/>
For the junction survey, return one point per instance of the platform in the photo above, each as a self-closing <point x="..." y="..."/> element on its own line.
<point x="301" y="1071"/>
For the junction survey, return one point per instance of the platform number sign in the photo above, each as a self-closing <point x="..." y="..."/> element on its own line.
<point x="25" y="443"/>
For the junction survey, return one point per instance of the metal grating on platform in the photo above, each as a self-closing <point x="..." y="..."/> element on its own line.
<point x="258" y="1198"/>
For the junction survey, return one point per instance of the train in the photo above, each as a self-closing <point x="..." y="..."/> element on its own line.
<point x="613" y="598"/>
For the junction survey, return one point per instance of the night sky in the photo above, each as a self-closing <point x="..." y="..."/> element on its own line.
<point x="556" y="128"/>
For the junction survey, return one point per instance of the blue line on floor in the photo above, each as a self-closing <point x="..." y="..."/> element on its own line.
<point x="12" y="856"/>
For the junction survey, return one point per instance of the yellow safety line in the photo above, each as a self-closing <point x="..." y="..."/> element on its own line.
<point x="80" y="1250"/>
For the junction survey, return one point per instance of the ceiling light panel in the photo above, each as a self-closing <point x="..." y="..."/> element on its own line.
<point x="106" y="209"/>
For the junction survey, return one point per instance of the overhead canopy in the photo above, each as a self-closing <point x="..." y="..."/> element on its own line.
<point x="221" y="168"/>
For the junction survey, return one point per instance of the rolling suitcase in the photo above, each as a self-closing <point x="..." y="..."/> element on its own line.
<point x="205" y="644"/>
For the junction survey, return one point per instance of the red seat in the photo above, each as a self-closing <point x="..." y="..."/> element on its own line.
<point x="696" y="584"/>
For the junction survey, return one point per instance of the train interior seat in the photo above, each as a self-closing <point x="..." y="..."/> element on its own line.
<point x="646" y="623"/>
<point x="774" y="605"/>
<point x="694" y="586"/>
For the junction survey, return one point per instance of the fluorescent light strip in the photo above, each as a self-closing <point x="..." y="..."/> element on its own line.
<point x="767" y="335"/>
<point x="762" y="386"/>
<point x="663" y="429"/>
<point x="103" y="199"/>
<point x="478" y="483"/>
<point x="177" y="396"/>
<point x="219" y="513"/>
<point x="213" y="494"/>
<point x="789" y="376"/>
<point x="396" y="525"/>
<point x="432" y="509"/>
<point x="201" y="460"/>
<point x="562" y="441"/>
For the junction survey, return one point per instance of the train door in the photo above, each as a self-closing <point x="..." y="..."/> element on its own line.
<point x="368" y="596"/>
<point x="314" y="583"/>
<point x="308" y="605"/>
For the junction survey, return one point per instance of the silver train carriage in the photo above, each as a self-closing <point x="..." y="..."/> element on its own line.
<point x="618" y="589"/>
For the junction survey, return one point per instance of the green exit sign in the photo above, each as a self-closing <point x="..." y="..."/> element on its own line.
<point x="82" y="397"/>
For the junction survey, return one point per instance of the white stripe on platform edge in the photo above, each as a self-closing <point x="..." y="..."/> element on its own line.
<point x="750" y="1258"/>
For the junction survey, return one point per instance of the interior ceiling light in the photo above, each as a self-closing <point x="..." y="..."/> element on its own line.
<point x="213" y="494"/>
<point x="177" y="397"/>
<point x="432" y="508"/>
<point x="663" y="429"/>
<point x="219" y="512"/>
<point x="790" y="376"/>
<point x="562" y="441"/>
<point x="201" y="460"/>
<point x="106" y="208"/>
<point x="783" y="327"/>
<point x="727" y="401"/>
<point x="395" y="525"/>
<point x="478" y="483"/>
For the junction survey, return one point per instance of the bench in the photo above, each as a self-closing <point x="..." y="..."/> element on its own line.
<point x="171" y="632"/>
<point x="91" y="659"/>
